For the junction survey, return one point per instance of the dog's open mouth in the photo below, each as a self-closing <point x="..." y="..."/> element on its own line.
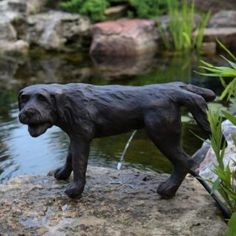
<point x="36" y="130"/>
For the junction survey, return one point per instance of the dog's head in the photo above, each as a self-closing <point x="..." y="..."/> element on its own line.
<point x="37" y="108"/>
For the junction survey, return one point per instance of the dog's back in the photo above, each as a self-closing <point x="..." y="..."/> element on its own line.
<point x="115" y="109"/>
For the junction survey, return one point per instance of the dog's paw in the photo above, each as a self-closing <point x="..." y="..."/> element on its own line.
<point x="167" y="189"/>
<point x="74" y="190"/>
<point x="62" y="173"/>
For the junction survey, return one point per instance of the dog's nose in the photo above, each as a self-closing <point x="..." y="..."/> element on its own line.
<point x="25" y="115"/>
<point x="29" y="112"/>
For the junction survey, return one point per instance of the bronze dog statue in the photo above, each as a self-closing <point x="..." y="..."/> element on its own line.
<point x="86" y="111"/>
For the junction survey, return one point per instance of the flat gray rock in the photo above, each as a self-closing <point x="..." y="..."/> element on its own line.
<point x="114" y="203"/>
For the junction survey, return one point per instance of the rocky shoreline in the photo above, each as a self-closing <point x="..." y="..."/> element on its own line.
<point x="25" y="24"/>
<point x="114" y="203"/>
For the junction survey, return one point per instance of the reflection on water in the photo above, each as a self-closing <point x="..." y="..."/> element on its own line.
<point x="24" y="155"/>
<point x="21" y="154"/>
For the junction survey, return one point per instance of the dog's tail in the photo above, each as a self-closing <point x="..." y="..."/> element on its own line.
<point x="196" y="102"/>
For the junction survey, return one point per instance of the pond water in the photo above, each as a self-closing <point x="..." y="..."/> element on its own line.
<point x="20" y="154"/>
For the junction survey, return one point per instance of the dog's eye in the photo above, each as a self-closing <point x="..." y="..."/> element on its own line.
<point x="41" y="98"/>
<point x="24" y="98"/>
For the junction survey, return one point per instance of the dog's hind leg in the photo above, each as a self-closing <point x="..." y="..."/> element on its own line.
<point x="64" y="172"/>
<point x="164" y="129"/>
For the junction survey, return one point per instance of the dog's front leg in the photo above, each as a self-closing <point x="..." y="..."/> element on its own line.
<point x="64" y="172"/>
<point x="79" y="152"/>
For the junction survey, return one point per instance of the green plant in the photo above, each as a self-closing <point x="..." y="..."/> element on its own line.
<point x="181" y="26"/>
<point x="222" y="72"/>
<point x="231" y="231"/>
<point x="95" y="9"/>
<point x="198" y="39"/>
<point x="72" y="5"/>
<point x="225" y="182"/>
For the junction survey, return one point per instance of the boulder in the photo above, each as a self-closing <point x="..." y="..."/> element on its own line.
<point x="114" y="203"/>
<point x="124" y="37"/>
<point x="54" y="29"/>
<point x="223" y="19"/>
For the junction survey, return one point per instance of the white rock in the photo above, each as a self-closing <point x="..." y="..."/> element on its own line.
<point x="52" y="30"/>
<point x="207" y="166"/>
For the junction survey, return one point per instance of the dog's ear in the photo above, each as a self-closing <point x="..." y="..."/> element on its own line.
<point x="57" y="98"/>
<point x="63" y="107"/>
<point x="60" y="104"/>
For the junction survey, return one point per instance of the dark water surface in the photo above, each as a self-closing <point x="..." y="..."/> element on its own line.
<point x="20" y="154"/>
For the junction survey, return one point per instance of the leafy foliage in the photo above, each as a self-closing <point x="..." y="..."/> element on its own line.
<point x="217" y="137"/>
<point x="225" y="182"/>
<point x="148" y="8"/>
<point x="230" y="117"/>
<point x="95" y="9"/>
<point x="72" y="5"/>
<point x="223" y="71"/>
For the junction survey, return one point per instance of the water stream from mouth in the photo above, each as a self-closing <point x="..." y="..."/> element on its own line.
<point x="122" y="157"/>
